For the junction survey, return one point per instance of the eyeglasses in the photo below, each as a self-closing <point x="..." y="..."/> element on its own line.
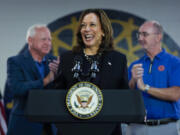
<point x="144" y="34"/>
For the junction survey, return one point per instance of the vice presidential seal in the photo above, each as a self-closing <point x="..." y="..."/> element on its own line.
<point x="84" y="100"/>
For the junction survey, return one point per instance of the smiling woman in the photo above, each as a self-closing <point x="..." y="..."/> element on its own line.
<point x="91" y="33"/>
<point x="93" y="59"/>
<point x="94" y="33"/>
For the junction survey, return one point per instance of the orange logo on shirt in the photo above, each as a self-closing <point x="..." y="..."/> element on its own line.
<point x="161" y="68"/>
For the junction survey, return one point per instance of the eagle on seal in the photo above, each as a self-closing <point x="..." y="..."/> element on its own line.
<point x="84" y="102"/>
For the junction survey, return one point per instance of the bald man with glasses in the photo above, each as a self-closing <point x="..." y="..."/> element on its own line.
<point x="156" y="74"/>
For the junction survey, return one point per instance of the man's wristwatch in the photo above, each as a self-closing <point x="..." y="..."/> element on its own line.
<point x="146" y="88"/>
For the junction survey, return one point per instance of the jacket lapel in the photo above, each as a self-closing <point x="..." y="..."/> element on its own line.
<point x="46" y="65"/>
<point x="105" y="69"/>
<point x="29" y="65"/>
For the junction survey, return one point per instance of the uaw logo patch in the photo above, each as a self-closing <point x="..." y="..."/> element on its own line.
<point x="84" y="100"/>
<point x="161" y="68"/>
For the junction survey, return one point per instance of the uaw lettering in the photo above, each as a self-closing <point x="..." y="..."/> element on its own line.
<point x="84" y="100"/>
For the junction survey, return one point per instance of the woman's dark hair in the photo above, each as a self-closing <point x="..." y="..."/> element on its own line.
<point x="107" y="40"/>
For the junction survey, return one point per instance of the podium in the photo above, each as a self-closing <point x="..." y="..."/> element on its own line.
<point x="120" y="106"/>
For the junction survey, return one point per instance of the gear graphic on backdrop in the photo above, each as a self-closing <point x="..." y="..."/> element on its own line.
<point x="125" y="26"/>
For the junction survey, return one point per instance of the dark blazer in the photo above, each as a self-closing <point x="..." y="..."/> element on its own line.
<point x="112" y="74"/>
<point x="22" y="76"/>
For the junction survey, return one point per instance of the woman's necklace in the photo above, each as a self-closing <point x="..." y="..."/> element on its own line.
<point x="91" y="58"/>
<point x="88" y="58"/>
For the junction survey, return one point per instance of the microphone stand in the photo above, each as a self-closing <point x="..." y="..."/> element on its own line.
<point x="78" y="71"/>
<point x="94" y="69"/>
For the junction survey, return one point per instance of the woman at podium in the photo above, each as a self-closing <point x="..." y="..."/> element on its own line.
<point x="94" y="59"/>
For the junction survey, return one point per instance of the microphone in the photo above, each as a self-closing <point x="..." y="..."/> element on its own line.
<point x="77" y="67"/>
<point x="94" y="69"/>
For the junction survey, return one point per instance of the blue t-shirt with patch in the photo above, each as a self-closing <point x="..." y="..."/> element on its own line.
<point x="162" y="72"/>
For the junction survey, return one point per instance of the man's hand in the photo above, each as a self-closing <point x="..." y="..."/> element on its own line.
<point x="137" y="72"/>
<point x="53" y="67"/>
<point x="140" y="84"/>
<point x="49" y="78"/>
